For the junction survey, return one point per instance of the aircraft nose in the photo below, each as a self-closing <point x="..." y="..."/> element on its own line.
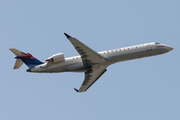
<point x="169" y="48"/>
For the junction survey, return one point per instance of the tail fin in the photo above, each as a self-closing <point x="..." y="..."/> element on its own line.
<point x="27" y="58"/>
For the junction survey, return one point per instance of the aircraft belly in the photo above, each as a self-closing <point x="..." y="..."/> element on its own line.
<point x="57" y="69"/>
<point x="78" y="67"/>
<point x="135" y="55"/>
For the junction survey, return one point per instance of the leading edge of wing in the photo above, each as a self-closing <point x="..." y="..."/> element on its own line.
<point x="87" y="54"/>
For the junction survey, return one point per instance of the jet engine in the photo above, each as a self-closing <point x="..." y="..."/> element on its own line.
<point x="56" y="57"/>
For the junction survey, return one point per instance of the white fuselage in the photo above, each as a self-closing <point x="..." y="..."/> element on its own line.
<point x="75" y="64"/>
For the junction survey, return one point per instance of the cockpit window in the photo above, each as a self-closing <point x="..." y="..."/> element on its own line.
<point x="157" y="43"/>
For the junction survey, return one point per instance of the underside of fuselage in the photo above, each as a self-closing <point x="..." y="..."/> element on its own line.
<point x="136" y="55"/>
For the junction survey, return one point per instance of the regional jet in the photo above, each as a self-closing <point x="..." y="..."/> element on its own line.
<point x="93" y="64"/>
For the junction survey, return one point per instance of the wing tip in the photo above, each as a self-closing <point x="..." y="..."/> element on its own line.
<point x="68" y="36"/>
<point x="76" y="90"/>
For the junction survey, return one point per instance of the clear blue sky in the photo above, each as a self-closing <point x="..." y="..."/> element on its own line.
<point x="142" y="89"/>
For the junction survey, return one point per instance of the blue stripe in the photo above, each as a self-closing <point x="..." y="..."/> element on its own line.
<point x="31" y="62"/>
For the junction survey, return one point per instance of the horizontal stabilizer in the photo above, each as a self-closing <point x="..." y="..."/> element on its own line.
<point x="17" y="52"/>
<point x="18" y="64"/>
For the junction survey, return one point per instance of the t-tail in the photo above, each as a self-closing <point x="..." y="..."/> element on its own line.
<point x="26" y="58"/>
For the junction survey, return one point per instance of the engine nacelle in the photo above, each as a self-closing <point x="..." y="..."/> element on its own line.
<point x="56" y="57"/>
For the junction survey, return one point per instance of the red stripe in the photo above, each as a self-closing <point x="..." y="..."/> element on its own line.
<point x="28" y="57"/>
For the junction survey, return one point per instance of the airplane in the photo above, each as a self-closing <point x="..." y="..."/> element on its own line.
<point x="93" y="64"/>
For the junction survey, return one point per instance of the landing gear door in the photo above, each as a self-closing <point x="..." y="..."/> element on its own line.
<point x="149" y="47"/>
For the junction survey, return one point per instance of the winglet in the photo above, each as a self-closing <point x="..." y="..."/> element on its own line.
<point x="68" y="36"/>
<point x="76" y="90"/>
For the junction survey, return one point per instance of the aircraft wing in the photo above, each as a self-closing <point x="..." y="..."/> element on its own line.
<point x="88" y="55"/>
<point x="91" y="77"/>
<point x="89" y="58"/>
